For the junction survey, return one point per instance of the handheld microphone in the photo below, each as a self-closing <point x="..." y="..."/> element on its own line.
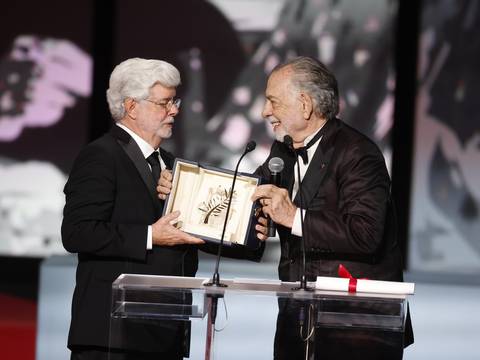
<point x="216" y="276"/>
<point x="275" y="165"/>
<point x="287" y="140"/>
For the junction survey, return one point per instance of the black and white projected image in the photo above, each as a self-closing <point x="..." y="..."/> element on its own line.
<point x="40" y="78"/>
<point x="445" y="212"/>
<point x="224" y="49"/>
<point x="234" y="44"/>
<point x="354" y="39"/>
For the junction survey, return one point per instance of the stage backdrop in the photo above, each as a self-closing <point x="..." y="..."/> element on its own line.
<point x="224" y="50"/>
<point x="444" y="223"/>
<point x="45" y="83"/>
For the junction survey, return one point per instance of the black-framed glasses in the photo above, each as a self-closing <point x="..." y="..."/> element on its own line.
<point x="168" y="104"/>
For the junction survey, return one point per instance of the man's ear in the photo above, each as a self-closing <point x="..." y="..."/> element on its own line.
<point x="307" y="105"/>
<point x="130" y="106"/>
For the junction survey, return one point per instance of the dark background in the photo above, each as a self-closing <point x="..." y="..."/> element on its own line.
<point x="95" y="30"/>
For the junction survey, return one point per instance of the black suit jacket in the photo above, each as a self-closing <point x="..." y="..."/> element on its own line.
<point x="110" y="201"/>
<point x="349" y="217"/>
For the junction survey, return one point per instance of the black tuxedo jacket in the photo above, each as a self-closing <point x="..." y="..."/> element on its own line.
<point x="349" y="217"/>
<point x="110" y="201"/>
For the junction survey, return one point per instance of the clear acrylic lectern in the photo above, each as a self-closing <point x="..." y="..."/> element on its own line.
<point x="151" y="312"/>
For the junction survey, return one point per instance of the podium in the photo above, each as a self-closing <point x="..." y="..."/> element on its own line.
<point x="151" y="313"/>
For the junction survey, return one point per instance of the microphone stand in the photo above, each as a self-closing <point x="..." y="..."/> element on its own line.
<point x="216" y="276"/>
<point x="212" y="315"/>
<point x="303" y="279"/>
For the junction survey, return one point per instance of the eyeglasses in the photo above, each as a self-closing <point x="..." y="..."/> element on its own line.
<point x="167" y="105"/>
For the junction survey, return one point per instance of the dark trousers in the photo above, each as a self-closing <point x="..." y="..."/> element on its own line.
<point x="298" y="337"/>
<point x="99" y="353"/>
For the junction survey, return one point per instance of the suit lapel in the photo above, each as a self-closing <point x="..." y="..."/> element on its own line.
<point x="167" y="158"/>
<point x="135" y="154"/>
<point x="318" y="166"/>
<point x="314" y="176"/>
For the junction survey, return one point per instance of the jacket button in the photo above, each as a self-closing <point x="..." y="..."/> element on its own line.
<point x="292" y="261"/>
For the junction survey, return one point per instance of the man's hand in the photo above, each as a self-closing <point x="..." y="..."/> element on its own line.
<point x="165" y="234"/>
<point x="276" y="204"/>
<point x="261" y="228"/>
<point x="164" y="184"/>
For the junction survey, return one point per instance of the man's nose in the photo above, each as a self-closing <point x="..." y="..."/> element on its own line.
<point x="174" y="110"/>
<point x="267" y="110"/>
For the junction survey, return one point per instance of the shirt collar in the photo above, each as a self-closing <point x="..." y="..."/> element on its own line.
<point x="144" y="146"/>
<point x="311" y="136"/>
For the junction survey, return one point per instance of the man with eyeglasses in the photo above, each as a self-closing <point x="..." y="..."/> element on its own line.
<point x="112" y="217"/>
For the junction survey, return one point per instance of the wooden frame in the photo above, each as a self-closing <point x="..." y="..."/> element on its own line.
<point x="201" y="194"/>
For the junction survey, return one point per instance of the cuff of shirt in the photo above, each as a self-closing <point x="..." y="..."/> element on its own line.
<point x="297" y="223"/>
<point x="149" y="238"/>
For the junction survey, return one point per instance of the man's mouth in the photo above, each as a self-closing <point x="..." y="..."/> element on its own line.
<point x="274" y="124"/>
<point x="168" y="123"/>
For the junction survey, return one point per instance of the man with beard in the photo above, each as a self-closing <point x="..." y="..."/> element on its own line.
<point x="112" y="217"/>
<point x="345" y="201"/>
<point x="345" y="196"/>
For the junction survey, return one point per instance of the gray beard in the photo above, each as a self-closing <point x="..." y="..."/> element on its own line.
<point x="279" y="135"/>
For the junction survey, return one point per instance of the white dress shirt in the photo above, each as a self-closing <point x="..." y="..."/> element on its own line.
<point x="297" y="224"/>
<point x="147" y="150"/>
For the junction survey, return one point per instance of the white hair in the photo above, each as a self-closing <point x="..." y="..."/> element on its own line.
<point x="313" y="77"/>
<point x="133" y="78"/>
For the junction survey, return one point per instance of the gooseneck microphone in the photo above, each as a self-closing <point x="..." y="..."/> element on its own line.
<point x="287" y="140"/>
<point x="275" y="165"/>
<point x="216" y="276"/>
<point x="213" y="297"/>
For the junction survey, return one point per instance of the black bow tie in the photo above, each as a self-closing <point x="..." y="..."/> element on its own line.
<point x="302" y="151"/>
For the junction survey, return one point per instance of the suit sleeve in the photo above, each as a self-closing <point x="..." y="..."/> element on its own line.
<point x="263" y="171"/>
<point x="355" y="225"/>
<point x="90" y="199"/>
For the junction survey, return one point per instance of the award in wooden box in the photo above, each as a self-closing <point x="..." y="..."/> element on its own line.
<point x="201" y="194"/>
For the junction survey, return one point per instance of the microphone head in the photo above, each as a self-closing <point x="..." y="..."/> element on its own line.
<point x="287" y="140"/>
<point x="250" y="146"/>
<point x="275" y="165"/>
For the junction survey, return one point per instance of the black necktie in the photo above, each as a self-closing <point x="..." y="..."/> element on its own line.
<point x="155" y="164"/>
<point x="302" y="152"/>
